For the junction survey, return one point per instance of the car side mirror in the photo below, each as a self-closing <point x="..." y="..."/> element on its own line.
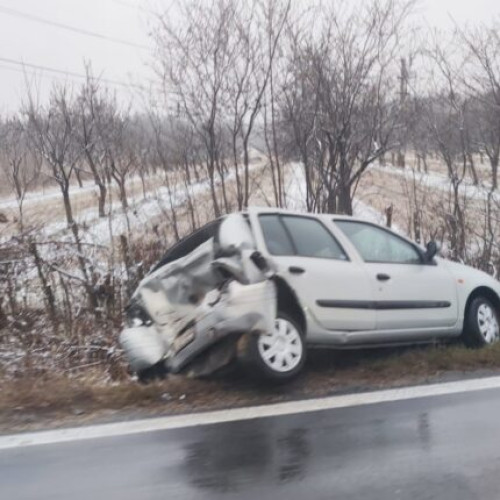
<point x="431" y="250"/>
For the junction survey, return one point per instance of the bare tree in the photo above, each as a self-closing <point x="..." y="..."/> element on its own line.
<point x="482" y="81"/>
<point x="96" y="110"/>
<point x="121" y="153"/>
<point x="186" y="151"/>
<point x="346" y="75"/>
<point x="446" y="112"/>
<point x="257" y="31"/>
<point x="21" y="169"/>
<point x="277" y="58"/>
<point x="161" y="157"/>
<point x="194" y="57"/>
<point x="52" y="135"/>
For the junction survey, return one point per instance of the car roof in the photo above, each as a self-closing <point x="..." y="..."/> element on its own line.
<point x="303" y="213"/>
<point x="328" y="217"/>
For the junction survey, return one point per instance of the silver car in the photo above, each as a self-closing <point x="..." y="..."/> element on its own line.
<point x="260" y="286"/>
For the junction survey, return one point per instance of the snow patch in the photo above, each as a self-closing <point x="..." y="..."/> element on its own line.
<point x="438" y="181"/>
<point x="295" y="191"/>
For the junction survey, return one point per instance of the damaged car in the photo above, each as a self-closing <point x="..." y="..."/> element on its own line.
<point x="257" y="287"/>
<point x="210" y="300"/>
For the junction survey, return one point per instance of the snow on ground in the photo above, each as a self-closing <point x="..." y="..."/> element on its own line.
<point x="366" y="212"/>
<point x="295" y="187"/>
<point x="99" y="231"/>
<point x="52" y="193"/>
<point x="142" y="210"/>
<point x="438" y="181"/>
<point x="139" y="215"/>
<point x="295" y="191"/>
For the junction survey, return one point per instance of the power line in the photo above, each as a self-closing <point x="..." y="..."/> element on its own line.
<point x="62" y="78"/>
<point x="66" y="73"/>
<point x="22" y="65"/>
<point x="75" y="29"/>
<point x="172" y="109"/>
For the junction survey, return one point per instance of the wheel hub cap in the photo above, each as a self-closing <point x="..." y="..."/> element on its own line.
<point x="488" y="323"/>
<point x="281" y="349"/>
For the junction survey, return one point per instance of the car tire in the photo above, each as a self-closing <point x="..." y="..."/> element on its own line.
<point x="153" y="373"/>
<point x="278" y="355"/>
<point x="481" y="324"/>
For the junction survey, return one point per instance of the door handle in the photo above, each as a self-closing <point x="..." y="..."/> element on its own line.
<point x="383" y="277"/>
<point x="296" y="270"/>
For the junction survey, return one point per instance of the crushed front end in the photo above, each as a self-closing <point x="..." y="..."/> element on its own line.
<point x="188" y="315"/>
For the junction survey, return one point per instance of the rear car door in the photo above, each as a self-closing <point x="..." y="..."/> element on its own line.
<point x="320" y="271"/>
<point x="408" y="293"/>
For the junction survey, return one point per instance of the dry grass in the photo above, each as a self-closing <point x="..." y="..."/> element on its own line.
<point x="56" y="400"/>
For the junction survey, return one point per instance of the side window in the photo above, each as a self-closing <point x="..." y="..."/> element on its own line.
<point x="378" y="245"/>
<point x="312" y="239"/>
<point x="275" y="236"/>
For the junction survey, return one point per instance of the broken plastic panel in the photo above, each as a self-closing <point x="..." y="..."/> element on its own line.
<point x="213" y="295"/>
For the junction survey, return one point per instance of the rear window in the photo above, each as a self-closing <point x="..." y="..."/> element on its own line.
<point x="312" y="239"/>
<point x="275" y="235"/>
<point x="189" y="243"/>
<point x="303" y="236"/>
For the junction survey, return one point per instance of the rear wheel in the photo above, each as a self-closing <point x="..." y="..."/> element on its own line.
<point x="481" y="325"/>
<point x="279" y="354"/>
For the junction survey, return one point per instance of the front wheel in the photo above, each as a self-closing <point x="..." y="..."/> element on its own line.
<point x="481" y="325"/>
<point x="279" y="354"/>
<point x="156" y="372"/>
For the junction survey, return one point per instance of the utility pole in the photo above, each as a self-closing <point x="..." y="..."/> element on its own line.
<point x="403" y="82"/>
<point x="403" y="94"/>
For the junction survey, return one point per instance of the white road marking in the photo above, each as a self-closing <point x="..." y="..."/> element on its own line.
<point x="246" y="413"/>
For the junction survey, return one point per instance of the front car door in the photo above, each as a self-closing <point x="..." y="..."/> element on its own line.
<point x="319" y="270"/>
<point x="408" y="293"/>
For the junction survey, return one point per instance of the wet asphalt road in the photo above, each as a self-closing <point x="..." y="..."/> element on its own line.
<point x="445" y="447"/>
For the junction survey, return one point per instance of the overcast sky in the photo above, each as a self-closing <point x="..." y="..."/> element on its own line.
<point x="32" y="42"/>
